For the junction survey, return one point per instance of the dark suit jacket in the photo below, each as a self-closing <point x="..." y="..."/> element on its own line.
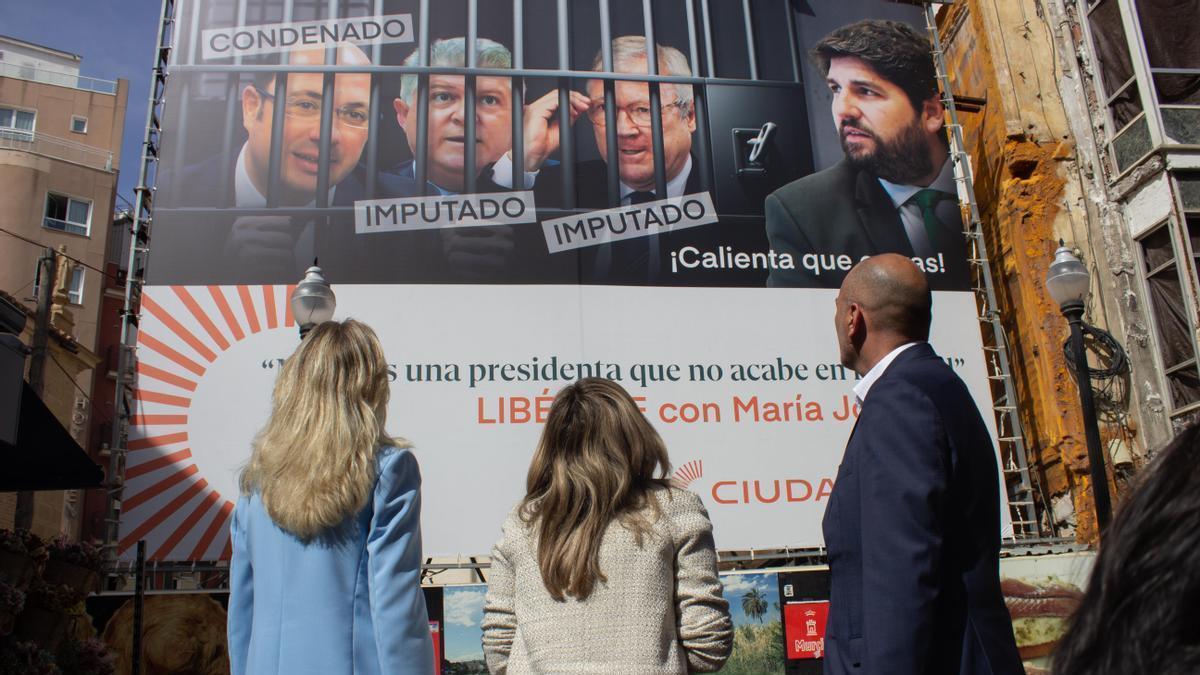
<point x="210" y="184"/>
<point x="192" y="247"/>
<point x="591" y="184"/>
<point x="913" y="533"/>
<point x="842" y="210"/>
<point x="642" y="260"/>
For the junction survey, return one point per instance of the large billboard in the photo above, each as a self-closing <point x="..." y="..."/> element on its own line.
<point x="515" y="213"/>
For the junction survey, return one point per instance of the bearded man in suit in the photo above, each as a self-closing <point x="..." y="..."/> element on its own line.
<point x="894" y="192"/>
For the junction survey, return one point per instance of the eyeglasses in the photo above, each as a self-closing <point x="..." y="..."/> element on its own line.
<point x="308" y="108"/>
<point x="638" y="113"/>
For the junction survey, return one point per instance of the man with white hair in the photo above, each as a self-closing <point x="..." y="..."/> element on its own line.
<point x="446" y="142"/>
<point x="635" y="144"/>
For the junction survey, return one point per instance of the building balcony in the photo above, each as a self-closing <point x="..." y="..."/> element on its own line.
<point x="57" y="78"/>
<point x="56" y="148"/>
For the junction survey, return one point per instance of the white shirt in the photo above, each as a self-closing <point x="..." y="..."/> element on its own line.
<point x="502" y="174"/>
<point x="864" y="385"/>
<point x="910" y="212"/>
<point x="246" y="196"/>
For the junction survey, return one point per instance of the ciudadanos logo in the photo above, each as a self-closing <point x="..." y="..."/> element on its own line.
<point x="740" y="490"/>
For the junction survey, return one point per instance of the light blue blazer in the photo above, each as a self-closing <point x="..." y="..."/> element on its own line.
<point x="347" y="602"/>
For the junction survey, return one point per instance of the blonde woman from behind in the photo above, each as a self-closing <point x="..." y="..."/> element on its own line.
<point x="326" y="568"/>
<point x="604" y="567"/>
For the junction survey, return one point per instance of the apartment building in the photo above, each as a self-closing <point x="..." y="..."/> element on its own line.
<point x="60" y="154"/>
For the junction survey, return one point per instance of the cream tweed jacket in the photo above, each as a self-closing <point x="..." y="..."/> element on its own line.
<point x="661" y="610"/>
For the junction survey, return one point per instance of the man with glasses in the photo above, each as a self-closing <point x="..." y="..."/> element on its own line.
<point x="245" y="183"/>
<point x="635" y="143"/>
<point x="276" y="247"/>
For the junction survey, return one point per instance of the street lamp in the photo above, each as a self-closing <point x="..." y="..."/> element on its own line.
<point x="1068" y="283"/>
<point x="313" y="300"/>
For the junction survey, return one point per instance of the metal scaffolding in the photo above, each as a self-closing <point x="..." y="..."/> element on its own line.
<point x="134" y="279"/>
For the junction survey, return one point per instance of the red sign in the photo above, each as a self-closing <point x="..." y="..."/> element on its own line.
<point x="804" y="628"/>
<point x="435" y="632"/>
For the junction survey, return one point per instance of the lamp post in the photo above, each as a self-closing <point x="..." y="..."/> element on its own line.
<point x="313" y="300"/>
<point x="1067" y="281"/>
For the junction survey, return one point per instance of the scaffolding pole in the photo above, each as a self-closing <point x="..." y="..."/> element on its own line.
<point x="1010" y="436"/>
<point x="134" y="279"/>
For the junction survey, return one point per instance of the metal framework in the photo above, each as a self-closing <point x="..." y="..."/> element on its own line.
<point x="134" y="279"/>
<point x="700" y="50"/>
<point x="1008" y="423"/>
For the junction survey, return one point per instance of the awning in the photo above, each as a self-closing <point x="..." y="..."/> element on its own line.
<point x="45" y="456"/>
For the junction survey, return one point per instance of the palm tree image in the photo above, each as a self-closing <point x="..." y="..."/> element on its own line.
<point x="758" y="646"/>
<point x="754" y="604"/>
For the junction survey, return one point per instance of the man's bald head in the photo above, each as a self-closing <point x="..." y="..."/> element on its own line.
<point x="894" y="295"/>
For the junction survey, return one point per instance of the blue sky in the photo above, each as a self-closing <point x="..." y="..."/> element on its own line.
<point x="463" y="609"/>
<point x="115" y="39"/>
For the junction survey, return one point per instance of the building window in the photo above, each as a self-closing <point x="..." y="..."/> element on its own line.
<point x="79" y="124"/>
<point x="67" y="214"/>
<point x="17" y="123"/>
<point x="74" y="289"/>
<point x="1163" y="72"/>
<point x="1169" y="307"/>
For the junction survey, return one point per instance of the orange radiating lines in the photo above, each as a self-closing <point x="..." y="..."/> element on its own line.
<point x="148" y="420"/>
<point x="269" y="303"/>
<point x="158" y="346"/>
<point x="155" y="464"/>
<point x="158" y="488"/>
<point x="288" y="319"/>
<point x="166" y="399"/>
<point x="163" y="513"/>
<point x="158" y="441"/>
<point x="218" y="523"/>
<point x="194" y="308"/>
<point x="186" y="526"/>
<point x="169" y="378"/>
<point x="248" y="308"/>
<point x="227" y="312"/>
<point x="227" y="552"/>
<point x="179" y="329"/>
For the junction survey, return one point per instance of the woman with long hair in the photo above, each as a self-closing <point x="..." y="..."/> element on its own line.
<point x="604" y="567"/>
<point x="1141" y="610"/>
<point x="326" y="569"/>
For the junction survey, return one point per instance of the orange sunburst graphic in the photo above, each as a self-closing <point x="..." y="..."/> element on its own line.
<point x="687" y="473"/>
<point x="178" y="495"/>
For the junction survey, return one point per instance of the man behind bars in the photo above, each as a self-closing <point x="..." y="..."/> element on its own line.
<point x="278" y="247"/>
<point x="474" y="254"/>
<point x="894" y="192"/>
<point x="446" y="142"/>
<point x="634" y="260"/>
<point x="635" y="145"/>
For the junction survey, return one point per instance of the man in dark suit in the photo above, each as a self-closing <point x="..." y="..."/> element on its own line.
<point x="895" y="190"/>
<point x="913" y="524"/>
<point x="633" y="260"/>
<point x="270" y="247"/>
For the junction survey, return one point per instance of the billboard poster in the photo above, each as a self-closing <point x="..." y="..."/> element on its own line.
<point x="587" y="219"/>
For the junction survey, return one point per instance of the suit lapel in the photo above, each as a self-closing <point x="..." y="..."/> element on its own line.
<point x="879" y="217"/>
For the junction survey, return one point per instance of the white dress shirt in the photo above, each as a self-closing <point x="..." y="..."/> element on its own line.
<point x="910" y="211"/>
<point x="864" y="385"/>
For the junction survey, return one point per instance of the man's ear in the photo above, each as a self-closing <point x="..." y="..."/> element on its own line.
<point x="690" y="120"/>
<point x="933" y="114"/>
<point x="251" y="106"/>
<point x="856" y="322"/>
<point x="401" y="109"/>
